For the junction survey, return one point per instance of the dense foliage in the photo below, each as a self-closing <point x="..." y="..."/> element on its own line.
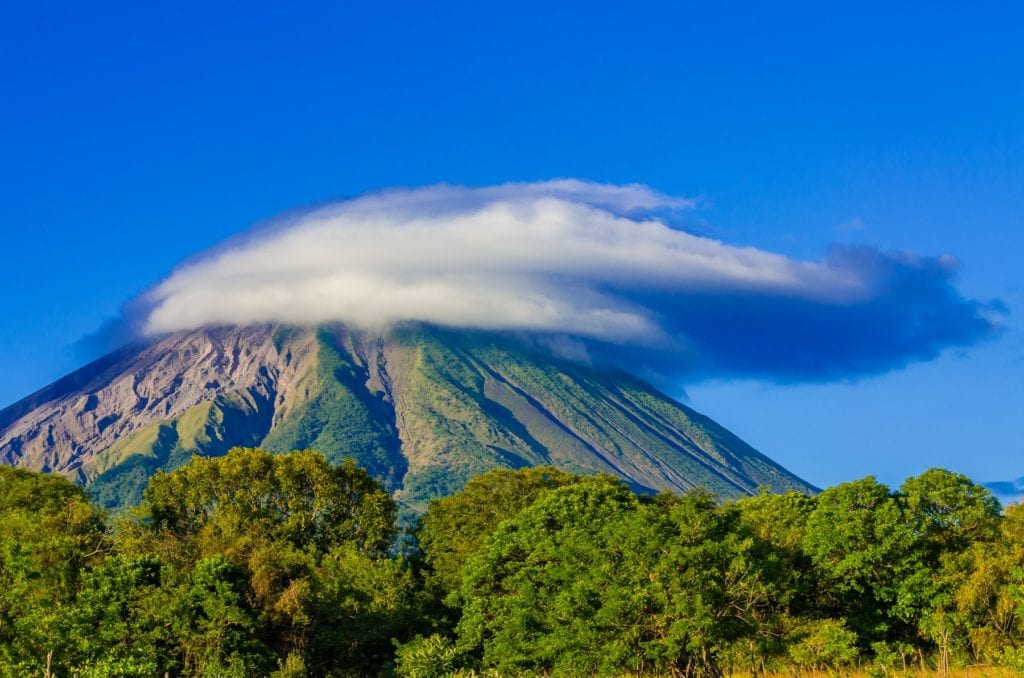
<point x="260" y="564"/>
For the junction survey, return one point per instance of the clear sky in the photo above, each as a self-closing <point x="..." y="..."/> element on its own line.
<point x="135" y="134"/>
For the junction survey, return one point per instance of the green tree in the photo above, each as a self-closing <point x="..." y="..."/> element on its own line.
<point x="455" y="526"/>
<point x="777" y="525"/>
<point x="948" y="513"/>
<point x="227" y="504"/>
<point x="118" y="624"/>
<point x="823" y="644"/>
<point x="432" y="657"/>
<point x="591" y="579"/>
<point x="285" y="552"/>
<point x="217" y="627"/>
<point x="360" y="605"/>
<point x="859" y="540"/>
<point x="534" y="589"/>
<point x="49" y="534"/>
<point x="990" y="599"/>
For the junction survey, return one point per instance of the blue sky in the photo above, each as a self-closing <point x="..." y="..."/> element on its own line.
<point x="134" y="136"/>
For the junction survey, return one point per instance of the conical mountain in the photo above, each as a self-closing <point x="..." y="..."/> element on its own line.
<point x="423" y="409"/>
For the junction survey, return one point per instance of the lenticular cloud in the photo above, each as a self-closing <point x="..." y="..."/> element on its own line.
<point x="599" y="263"/>
<point x="558" y="256"/>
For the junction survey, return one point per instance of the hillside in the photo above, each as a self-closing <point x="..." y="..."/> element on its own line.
<point x="421" y="408"/>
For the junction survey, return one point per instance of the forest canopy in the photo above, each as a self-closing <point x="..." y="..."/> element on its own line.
<point x="285" y="565"/>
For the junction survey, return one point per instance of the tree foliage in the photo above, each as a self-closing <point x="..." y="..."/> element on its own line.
<point x="286" y="565"/>
<point x="455" y="526"/>
<point x="49" y="533"/>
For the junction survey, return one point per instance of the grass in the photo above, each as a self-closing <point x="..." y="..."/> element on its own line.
<point x="968" y="672"/>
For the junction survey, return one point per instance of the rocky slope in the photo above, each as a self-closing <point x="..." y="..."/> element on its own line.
<point x="423" y="409"/>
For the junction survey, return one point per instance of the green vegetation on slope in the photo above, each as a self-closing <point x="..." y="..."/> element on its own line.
<point x="208" y="429"/>
<point x="477" y="401"/>
<point x="341" y="416"/>
<point x="425" y="409"/>
<point x="451" y="430"/>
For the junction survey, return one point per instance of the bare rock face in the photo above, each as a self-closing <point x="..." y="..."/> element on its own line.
<point x="421" y="408"/>
<point x="62" y="427"/>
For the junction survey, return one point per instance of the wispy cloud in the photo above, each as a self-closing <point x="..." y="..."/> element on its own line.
<point x="599" y="263"/>
<point x="1008" y="491"/>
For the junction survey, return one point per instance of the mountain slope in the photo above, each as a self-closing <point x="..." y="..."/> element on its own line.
<point x="421" y="408"/>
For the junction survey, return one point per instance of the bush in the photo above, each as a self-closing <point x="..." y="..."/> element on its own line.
<point x="825" y="644"/>
<point x="432" y="657"/>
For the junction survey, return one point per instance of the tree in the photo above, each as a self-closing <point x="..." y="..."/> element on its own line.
<point x="776" y="524"/>
<point x="824" y="644"/>
<point x="591" y="579"/>
<point x="706" y="587"/>
<point x="217" y="626"/>
<point x="455" y="526"/>
<point x="534" y="589"/>
<point x="49" y="534"/>
<point x="226" y="504"/>
<point x="118" y="623"/>
<point x="990" y="599"/>
<point x="860" y="542"/>
<point x="360" y="605"/>
<point x="949" y="511"/>
<point x="282" y="556"/>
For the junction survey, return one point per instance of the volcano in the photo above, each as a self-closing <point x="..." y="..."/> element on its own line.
<point x="421" y="408"/>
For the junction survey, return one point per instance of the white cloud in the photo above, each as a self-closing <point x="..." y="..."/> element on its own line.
<point x="563" y="256"/>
